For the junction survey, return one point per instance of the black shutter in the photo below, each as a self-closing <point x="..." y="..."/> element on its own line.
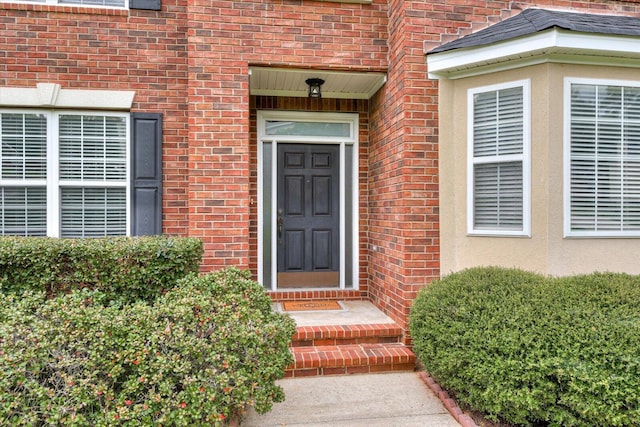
<point x="145" y="4"/>
<point x="146" y="173"/>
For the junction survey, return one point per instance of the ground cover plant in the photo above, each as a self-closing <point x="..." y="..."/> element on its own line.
<point x="533" y="350"/>
<point x="197" y="355"/>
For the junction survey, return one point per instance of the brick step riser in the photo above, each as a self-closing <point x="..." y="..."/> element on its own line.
<point x="350" y="359"/>
<point x="347" y="335"/>
<point x="345" y="341"/>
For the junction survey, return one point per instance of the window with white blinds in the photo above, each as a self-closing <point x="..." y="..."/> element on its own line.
<point x="498" y="182"/>
<point x="602" y="178"/>
<point x="119" y="4"/>
<point x="63" y="174"/>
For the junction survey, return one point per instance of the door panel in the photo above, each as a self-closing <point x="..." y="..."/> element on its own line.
<point x="295" y="260"/>
<point x="322" y="249"/>
<point x="294" y="198"/>
<point x="321" y="196"/>
<point x="308" y="211"/>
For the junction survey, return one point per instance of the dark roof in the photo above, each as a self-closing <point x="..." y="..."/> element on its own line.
<point x="531" y="21"/>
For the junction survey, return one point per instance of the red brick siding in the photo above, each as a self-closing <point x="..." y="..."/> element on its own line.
<point x="110" y="49"/>
<point x="225" y="37"/>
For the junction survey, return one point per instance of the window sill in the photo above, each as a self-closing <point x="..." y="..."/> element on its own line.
<point x="570" y="236"/>
<point x="496" y="233"/>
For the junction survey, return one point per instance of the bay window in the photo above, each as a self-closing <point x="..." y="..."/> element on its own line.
<point x="602" y="152"/>
<point x="498" y="153"/>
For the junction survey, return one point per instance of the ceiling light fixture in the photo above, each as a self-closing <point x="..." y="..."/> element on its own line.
<point x="314" y="87"/>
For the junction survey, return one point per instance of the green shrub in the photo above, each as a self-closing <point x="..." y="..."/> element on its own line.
<point x="124" y="269"/>
<point x="196" y="356"/>
<point x="533" y="350"/>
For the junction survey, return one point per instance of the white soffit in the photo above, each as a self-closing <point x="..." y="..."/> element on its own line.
<point x="291" y="82"/>
<point x="51" y="95"/>
<point x="549" y="46"/>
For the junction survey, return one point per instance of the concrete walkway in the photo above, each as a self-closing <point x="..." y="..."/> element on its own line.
<point x="372" y="400"/>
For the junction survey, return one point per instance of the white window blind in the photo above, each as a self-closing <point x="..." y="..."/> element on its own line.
<point x="23" y="163"/>
<point x="108" y="3"/>
<point x="498" y="144"/>
<point x="93" y="212"/>
<point x="99" y="3"/>
<point x="63" y="174"/>
<point x="23" y="211"/>
<point x="604" y="160"/>
<point x="93" y="148"/>
<point x="93" y="175"/>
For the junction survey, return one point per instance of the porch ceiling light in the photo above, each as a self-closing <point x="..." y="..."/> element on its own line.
<point x="314" y="87"/>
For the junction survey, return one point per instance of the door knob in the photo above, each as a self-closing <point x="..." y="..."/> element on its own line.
<point x="280" y="226"/>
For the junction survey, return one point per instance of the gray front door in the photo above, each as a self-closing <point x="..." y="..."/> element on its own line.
<point x="308" y="215"/>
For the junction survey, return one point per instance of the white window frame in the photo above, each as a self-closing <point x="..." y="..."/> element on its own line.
<point x="125" y="6"/>
<point x="524" y="157"/>
<point x="568" y="232"/>
<point x="54" y="184"/>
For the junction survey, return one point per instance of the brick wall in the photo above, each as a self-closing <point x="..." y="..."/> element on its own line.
<point x="403" y="168"/>
<point x="110" y="49"/>
<point x="225" y="38"/>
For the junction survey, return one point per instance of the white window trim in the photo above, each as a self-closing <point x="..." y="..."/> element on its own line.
<point x="52" y="181"/>
<point x="58" y="3"/>
<point x="525" y="157"/>
<point x="353" y="120"/>
<point x="568" y="233"/>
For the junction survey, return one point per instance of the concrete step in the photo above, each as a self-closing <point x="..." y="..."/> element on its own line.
<point x="374" y="333"/>
<point x="350" y="359"/>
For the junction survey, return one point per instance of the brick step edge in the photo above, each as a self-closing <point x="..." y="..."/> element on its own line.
<point x="350" y="359"/>
<point x="347" y="334"/>
<point x="450" y="404"/>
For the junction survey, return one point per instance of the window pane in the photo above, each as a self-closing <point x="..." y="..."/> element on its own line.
<point x="112" y="3"/>
<point x="605" y="158"/>
<point x="276" y="127"/>
<point x="93" y="212"/>
<point x="498" y="122"/>
<point x="24" y="146"/>
<point x="92" y="147"/>
<point x="498" y="183"/>
<point x="24" y="211"/>
<point x="498" y="196"/>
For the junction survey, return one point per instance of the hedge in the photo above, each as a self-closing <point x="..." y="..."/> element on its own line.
<point x="532" y="350"/>
<point x="197" y="356"/>
<point x="124" y="269"/>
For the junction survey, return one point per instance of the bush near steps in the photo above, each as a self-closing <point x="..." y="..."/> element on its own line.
<point x="197" y="354"/>
<point x="533" y="350"/>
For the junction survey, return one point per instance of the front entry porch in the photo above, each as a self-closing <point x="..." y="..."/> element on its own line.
<point x="354" y="338"/>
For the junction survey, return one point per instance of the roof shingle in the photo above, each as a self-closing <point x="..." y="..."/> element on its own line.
<point x="531" y="21"/>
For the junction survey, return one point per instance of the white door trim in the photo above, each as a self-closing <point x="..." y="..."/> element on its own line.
<point x="344" y="141"/>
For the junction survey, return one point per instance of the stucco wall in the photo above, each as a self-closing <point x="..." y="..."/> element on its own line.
<point x="546" y="250"/>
